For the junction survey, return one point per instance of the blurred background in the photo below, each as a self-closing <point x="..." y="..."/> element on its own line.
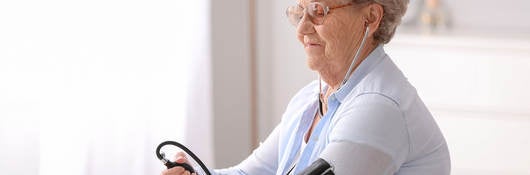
<point x="92" y="87"/>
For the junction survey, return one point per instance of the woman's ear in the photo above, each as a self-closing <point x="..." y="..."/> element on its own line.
<point x="373" y="17"/>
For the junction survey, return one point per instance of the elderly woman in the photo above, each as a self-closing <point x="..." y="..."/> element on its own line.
<point x="362" y="116"/>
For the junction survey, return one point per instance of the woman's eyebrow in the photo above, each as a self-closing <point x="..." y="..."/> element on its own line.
<point x="300" y="3"/>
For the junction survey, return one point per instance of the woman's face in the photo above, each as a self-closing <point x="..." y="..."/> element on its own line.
<point x="331" y="46"/>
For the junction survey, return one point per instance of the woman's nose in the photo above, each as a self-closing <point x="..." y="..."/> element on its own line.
<point x="305" y="26"/>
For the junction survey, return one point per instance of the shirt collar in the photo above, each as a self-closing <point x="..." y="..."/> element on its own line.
<point x="360" y="72"/>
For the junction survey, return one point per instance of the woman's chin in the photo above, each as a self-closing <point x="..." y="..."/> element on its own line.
<point x="311" y="67"/>
<point x="313" y="63"/>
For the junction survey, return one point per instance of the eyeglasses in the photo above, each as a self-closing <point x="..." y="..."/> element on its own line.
<point x="316" y="12"/>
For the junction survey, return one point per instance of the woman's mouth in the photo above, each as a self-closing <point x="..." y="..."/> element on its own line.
<point x="309" y="45"/>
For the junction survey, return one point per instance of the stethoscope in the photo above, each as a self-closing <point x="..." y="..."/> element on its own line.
<point x="169" y="164"/>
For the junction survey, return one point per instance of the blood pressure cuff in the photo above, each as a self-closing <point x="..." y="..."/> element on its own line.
<point x="346" y="157"/>
<point x="318" y="167"/>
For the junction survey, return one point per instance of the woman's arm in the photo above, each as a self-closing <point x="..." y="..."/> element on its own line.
<point x="354" y="158"/>
<point x="371" y="138"/>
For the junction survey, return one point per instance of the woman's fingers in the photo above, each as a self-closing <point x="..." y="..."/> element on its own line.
<point x="180" y="154"/>
<point x="178" y="170"/>
<point x="180" y="157"/>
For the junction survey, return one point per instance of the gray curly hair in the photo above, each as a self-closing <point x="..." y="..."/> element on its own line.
<point x="393" y="11"/>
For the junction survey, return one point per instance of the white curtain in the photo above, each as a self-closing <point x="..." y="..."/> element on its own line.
<point x="91" y="87"/>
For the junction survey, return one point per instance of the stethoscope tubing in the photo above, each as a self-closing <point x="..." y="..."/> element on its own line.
<point x="185" y="149"/>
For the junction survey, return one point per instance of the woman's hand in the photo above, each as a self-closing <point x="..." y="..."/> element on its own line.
<point x="178" y="170"/>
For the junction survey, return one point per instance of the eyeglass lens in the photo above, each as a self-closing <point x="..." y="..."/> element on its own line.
<point x="316" y="13"/>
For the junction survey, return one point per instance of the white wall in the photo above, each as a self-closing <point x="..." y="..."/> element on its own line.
<point x="476" y="88"/>
<point x="491" y="15"/>
<point x="231" y="85"/>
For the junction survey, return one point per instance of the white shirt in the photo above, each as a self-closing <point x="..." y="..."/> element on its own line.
<point x="377" y="111"/>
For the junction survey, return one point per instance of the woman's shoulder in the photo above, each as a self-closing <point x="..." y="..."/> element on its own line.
<point x="388" y="81"/>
